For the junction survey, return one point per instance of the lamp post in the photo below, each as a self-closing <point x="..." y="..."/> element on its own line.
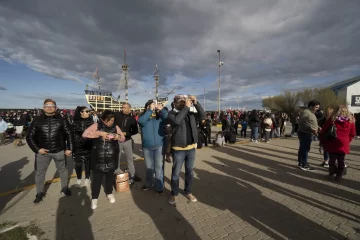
<point x="220" y="64"/>
<point x="204" y="95"/>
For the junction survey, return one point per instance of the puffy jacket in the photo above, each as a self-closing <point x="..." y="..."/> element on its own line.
<point x="127" y="124"/>
<point x="105" y="154"/>
<point x="345" y="131"/>
<point x="152" y="128"/>
<point x="82" y="146"/>
<point x="177" y="120"/>
<point x="50" y="132"/>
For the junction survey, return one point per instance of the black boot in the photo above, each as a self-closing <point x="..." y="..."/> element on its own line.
<point x="332" y="172"/>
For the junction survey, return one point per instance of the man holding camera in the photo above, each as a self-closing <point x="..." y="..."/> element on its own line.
<point x="183" y="142"/>
<point x="49" y="137"/>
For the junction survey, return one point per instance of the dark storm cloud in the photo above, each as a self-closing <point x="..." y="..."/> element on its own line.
<point x="261" y="42"/>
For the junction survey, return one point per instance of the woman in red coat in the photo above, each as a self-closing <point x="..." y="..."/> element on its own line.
<point x="338" y="147"/>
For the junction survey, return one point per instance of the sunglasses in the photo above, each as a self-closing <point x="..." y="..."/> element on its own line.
<point x="181" y="96"/>
<point x="49" y="105"/>
<point x="87" y="111"/>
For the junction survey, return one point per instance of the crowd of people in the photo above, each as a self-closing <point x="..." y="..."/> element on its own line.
<point x="96" y="140"/>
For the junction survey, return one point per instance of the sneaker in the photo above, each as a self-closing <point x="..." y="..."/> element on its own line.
<point x="144" y="188"/>
<point x="172" y="200"/>
<point x="160" y="193"/>
<point x="267" y="141"/>
<point x="131" y="182"/>
<point x="256" y="141"/>
<point x="94" y="204"/>
<point x="78" y="183"/>
<point x="39" y="197"/>
<point x="87" y="182"/>
<point x="191" y="197"/>
<point x="299" y="165"/>
<point x="307" y="168"/>
<point x="111" y="198"/>
<point x="324" y="164"/>
<point x="66" y="191"/>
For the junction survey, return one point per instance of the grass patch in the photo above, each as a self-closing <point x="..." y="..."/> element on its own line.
<point x="19" y="233"/>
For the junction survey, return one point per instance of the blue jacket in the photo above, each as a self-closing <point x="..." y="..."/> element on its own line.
<point x="152" y="129"/>
<point x="3" y="126"/>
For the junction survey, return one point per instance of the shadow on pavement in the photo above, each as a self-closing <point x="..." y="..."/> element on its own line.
<point x="282" y="168"/>
<point x="167" y="219"/>
<point x="72" y="217"/>
<point x="10" y="178"/>
<point x="250" y="205"/>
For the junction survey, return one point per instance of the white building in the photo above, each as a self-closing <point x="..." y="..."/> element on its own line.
<point x="349" y="89"/>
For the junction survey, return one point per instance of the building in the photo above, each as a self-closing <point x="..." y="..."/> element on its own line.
<point x="350" y="90"/>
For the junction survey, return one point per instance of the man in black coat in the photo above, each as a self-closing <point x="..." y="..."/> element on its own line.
<point x="129" y="127"/>
<point x="49" y="137"/>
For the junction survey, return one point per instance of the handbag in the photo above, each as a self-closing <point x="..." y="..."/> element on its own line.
<point x="331" y="132"/>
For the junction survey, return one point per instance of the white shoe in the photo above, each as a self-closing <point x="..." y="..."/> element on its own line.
<point x="111" y="198"/>
<point x="94" y="204"/>
<point x="256" y="141"/>
<point x="78" y="183"/>
<point x="87" y="182"/>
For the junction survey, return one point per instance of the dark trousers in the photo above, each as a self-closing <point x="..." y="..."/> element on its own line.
<point x="305" y="140"/>
<point x="243" y="130"/>
<point x="79" y="161"/>
<point x="339" y="168"/>
<point x="267" y="136"/>
<point x="97" y="180"/>
<point x="208" y="135"/>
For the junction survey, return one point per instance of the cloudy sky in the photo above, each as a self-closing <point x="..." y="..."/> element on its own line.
<point x="51" y="48"/>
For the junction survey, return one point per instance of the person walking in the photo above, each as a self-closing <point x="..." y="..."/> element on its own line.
<point x="82" y="146"/>
<point x="106" y="136"/>
<point x="254" y="122"/>
<point x="183" y="142"/>
<point x="49" y="137"/>
<point x="328" y="112"/>
<point x="129" y="127"/>
<point x="3" y="127"/>
<point x="338" y="145"/>
<point x="152" y="122"/>
<point x="308" y="127"/>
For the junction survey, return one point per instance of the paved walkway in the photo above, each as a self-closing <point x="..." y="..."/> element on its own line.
<point x="245" y="191"/>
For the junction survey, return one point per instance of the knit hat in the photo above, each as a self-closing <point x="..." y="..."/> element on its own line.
<point x="148" y="103"/>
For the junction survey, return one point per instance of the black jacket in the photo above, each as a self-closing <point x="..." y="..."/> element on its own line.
<point x="82" y="146"/>
<point x="177" y="122"/>
<point x="20" y="122"/>
<point x="127" y="124"/>
<point x="254" y="120"/>
<point x="50" y="132"/>
<point x="105" y="154"/>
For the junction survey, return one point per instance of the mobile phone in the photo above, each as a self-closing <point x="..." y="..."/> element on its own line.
<point x="111" y="136"/>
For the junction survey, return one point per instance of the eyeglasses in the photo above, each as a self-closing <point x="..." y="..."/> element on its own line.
<point x="49" y="105"/>
<point x="87" y="111"/>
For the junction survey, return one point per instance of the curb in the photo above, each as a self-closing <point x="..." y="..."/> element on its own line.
<point x="54" y="180"/>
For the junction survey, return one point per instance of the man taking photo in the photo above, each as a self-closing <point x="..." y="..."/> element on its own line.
<point x="49" y="137"/>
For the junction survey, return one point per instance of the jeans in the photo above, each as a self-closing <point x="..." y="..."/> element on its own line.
<point x="179" y="157"/>
<point x="326" y="156"/>
<point x="154" y="163"/>
<point x="293" y="126"/>
<point x="305" y="140"/>
<point x="254" y="133"/>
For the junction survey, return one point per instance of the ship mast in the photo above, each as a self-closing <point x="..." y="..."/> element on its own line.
<point x="156" y="77"/>
<point x="125" y="69"/>
<point x="96" y="76"/>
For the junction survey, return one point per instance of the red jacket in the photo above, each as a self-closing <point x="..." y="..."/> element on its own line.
<point x="345" y="133"/>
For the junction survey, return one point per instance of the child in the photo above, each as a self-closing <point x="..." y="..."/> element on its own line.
<point x="220" y="139"/>
<point x="244" y="125"/>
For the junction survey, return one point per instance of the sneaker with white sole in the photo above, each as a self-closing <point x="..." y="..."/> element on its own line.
<point x="78" y="183"/>
<point x="87" y="182"/>
<point x="111" y="198"/>
<point x="191" y="197"/>
<point x="94" y="204"/>
<point x="172" y="200"/>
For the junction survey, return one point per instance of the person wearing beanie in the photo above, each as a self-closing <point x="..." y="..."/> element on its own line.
<point x="151" y="122"/>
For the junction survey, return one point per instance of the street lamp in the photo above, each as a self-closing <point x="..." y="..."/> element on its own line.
<point x="220" y="64"/>
<point x="204" y="95"/>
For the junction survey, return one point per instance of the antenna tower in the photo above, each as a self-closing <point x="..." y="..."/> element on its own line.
<point x="156" y="77"/>
<point x="125" y="69"/>
<point x="96" y="76"/>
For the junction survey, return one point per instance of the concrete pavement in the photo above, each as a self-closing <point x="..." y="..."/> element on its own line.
<point x="244" y="191"/>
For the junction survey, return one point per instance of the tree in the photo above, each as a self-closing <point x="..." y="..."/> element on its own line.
<point x="290" y="102"/>
<point x="306" y="95"/>
<point x="327" y="98"/>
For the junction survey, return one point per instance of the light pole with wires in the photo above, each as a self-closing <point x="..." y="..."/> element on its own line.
<point x="204" y="95"/>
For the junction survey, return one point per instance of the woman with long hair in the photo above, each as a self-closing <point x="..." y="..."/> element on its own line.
<point x="338" y="145"/>
<point x="105" y="154"/>
<point x="328" y="112"/>
<point x="82" y="146"/>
